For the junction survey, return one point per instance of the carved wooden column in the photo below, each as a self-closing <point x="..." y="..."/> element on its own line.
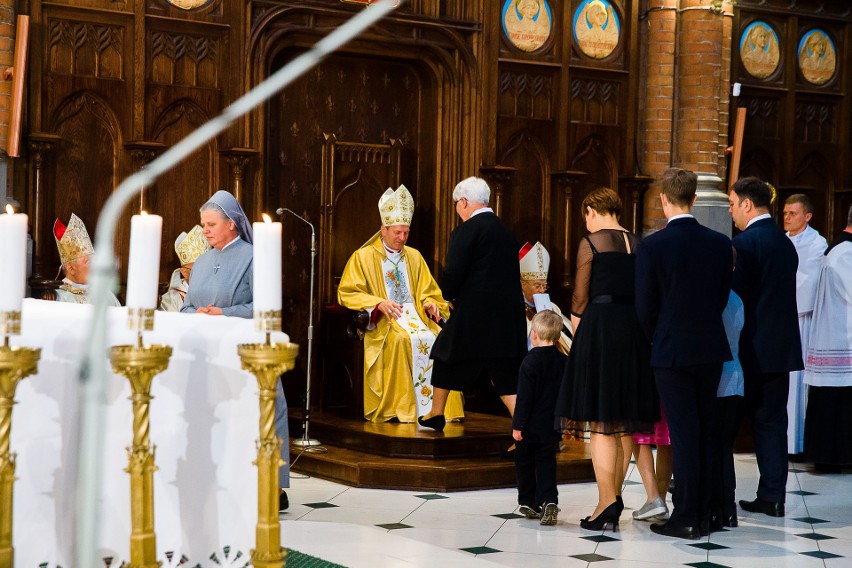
<point x="500" y="179"/>
<point x="567" y="184"/>
<point x="634" y="187"/>
<point x="40" y="143"/>
<point x="141" y="154"/>
<point x="238" y="160"/>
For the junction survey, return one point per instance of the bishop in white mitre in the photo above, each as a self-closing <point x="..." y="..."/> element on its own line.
<point x="75" y="251"/>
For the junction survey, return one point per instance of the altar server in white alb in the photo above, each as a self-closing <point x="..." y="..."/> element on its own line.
<point x="393" y="283"/>
<point x="828" y="365"/>
<point x="810" y="246"/>
<point x="220" y="282"/>
<point x="188" y="247"/>
<point x="535" y="262"/>
<point x="75" y="250"/>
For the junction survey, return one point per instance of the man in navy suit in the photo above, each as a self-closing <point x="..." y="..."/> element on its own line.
<point x="683" y="278"/>
<point x="770" y="346"/>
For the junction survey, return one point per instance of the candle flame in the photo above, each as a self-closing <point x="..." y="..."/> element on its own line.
<point x="143" y="213"/>
<point x="266" y="218"/>
<point x="9" y="209"/>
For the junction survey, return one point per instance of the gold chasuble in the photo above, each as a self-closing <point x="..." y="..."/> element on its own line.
<point x="388" y="382"/>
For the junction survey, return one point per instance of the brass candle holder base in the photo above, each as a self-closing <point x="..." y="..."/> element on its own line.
<point x="16" y="363"/>
<point x="140" y="364"/>
<point x="266" y="362"/>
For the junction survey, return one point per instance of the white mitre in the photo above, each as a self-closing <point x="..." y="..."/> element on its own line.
<point x="189" y="246"/>
<point x="396" y="207"/>
<point x="535" y="262"/>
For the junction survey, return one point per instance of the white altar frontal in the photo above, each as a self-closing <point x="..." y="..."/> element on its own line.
<point x="203" y="424"/>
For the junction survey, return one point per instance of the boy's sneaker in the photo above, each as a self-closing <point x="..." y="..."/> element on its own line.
<point x="549" y="514"/>
<point x="529" y="512"/>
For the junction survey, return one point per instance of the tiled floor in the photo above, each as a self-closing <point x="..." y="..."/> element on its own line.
<point x="375" y="528"/>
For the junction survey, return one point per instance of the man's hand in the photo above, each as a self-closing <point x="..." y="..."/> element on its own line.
<point x="516" y="434"/>
<point x="391" y="309"/>
<point x="431" y="309"/>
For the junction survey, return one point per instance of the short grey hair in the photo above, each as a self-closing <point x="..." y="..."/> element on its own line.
<point x="849" y="217"/>
<point x="210" y="206"/>
<point x="473" y="189"/>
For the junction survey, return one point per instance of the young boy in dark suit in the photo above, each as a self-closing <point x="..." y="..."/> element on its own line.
<point x="533" y="423"/>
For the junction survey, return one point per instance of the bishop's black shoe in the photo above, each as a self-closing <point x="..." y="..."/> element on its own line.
<point x="283" y="502"/>
<point x="771" y="508"/>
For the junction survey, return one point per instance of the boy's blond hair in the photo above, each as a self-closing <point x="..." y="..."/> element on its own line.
<point x="547" y="324"/>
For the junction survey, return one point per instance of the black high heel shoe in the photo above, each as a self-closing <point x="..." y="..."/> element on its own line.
<point x="607" y="517"/>
<point x="436" y="423"/>
<point x="620" y="502"/>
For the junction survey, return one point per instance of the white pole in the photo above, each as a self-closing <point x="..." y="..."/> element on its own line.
<point x="93" y="372"/>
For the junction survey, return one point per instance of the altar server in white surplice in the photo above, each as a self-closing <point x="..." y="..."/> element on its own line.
<point x="75" y="250"/>
<point x="810" y="246"/>
<point x="221" y="277"/>
<point x="828" y="366"/>
<point x="393" y="283"/>
<point x="188" y="247"/>
<point x="535" y="262"/>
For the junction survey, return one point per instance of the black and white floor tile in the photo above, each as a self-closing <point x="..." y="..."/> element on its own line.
<point x="377" y="528"/>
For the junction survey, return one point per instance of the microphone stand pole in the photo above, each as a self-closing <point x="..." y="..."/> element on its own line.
<point x="306" y="441"/>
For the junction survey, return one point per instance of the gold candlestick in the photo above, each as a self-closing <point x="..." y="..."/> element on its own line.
<point x="16" y="363"/>
<point x="266" y="362"/>
<point x="140" y="364"/>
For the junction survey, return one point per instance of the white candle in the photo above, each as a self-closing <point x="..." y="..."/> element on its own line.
<point x="13" y="260"/>
<point x="267" y="266"/>
<point x="143" y="273"/>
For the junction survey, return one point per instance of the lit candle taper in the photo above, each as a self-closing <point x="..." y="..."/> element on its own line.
<point x="143" y="272"/>
<point x="267" y="267"/>
<point x="13" y="260"/>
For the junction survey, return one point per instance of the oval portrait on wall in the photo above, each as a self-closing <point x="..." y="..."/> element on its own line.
<point x="527" y="23"/>
<point x="596" y="28"/>
<point x="760" y="52"/>
<point x="817" y="57"/>
<point x="188" y="4"/>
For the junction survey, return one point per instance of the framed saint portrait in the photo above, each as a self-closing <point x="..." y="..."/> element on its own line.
<point x="527" y="24"/>
<point x="596" y="28"/>
<point x="817" y="57"/>
<point x="760" y="51"/>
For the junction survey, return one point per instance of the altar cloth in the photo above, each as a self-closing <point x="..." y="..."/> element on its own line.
<point x="203" y="425"/>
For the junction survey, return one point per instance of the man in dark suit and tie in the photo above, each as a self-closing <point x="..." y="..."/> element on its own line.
<point x="770" y="346"/>
<point x="487" y="331"/>
<point x="683" y="278"/>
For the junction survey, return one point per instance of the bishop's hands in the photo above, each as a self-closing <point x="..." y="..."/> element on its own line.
<point x="431" y="309"/>
<point x="390" y="309"/>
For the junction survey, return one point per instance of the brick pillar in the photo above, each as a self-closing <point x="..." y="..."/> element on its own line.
<point x="656" y="134"/>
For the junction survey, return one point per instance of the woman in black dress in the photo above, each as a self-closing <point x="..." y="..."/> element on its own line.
<point x="608" y="388"/>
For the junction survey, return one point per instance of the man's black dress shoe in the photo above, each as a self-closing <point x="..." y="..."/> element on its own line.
<point x="771" y="508"/>
<point x="436" y="423"/>
<point x="283" y="502"/>
<point x="674" y="531"/>
<point x="730" y="521"/>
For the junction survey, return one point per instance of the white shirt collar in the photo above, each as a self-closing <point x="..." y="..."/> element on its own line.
<point x="482" y="210"/>
<point x="237" y="238"/>
<point x="758" y="218"/>
<point x="681" y="216"/>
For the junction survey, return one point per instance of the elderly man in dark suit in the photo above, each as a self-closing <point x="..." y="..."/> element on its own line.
<point x="683" y="278"/>
<point x="486" y="333"/>
<point x="770" y="346"/>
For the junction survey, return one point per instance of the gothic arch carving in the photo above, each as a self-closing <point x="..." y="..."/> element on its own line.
<point x="529" y="200"/>
<point x="595" y="158"/>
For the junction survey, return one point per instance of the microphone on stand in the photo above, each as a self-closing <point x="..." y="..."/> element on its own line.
<point x="307" y="441"/>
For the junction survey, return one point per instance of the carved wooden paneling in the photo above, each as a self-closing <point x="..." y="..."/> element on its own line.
<point x="527" y="95"/>
<point x="812" y="177"/>
<point x="761" y="116"/>
<point x="85" y="49"/>
<point x="815" y="122"/>
<point x="181" y="191"/>
<point x="186" y="60"/>
<point x="595" y="101"/>
<point x="84" y="165"/>
<point x="526" y="207"/>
